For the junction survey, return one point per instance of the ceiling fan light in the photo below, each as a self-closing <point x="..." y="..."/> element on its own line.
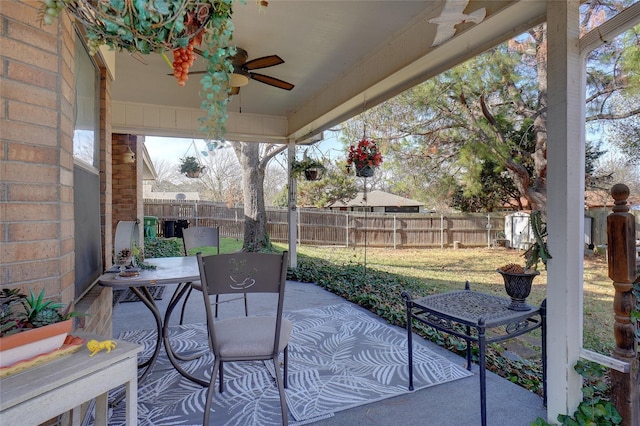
<point x="238" y="80"/>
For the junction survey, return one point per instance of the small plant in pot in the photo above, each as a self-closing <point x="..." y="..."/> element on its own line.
<point x="310" y="168"/>
<point x="190" y="167"/>
<point x="518" y="279"/>
<point x="31" y="325"/>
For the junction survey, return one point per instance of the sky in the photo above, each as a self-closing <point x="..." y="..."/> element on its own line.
<point x="172" y="149"/>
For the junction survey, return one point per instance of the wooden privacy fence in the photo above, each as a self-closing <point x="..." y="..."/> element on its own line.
<point x="323" y="227"/>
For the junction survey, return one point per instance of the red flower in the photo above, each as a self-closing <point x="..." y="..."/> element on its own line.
<point x="366" y="153"/>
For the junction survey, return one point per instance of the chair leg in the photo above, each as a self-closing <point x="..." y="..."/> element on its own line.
<point x="216" y="313"/>
<point x="184" y="304"/>
<point x="283" y="401"/>
<point x="221" y="385"/>
<point x="210" y="392"/>
<point x="246" y="308"/>
<point x="286" y="366"/>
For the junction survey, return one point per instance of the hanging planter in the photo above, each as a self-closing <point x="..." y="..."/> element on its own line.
<point x="159" y="26"/>
<point x="364" y="157"/>
<point x="364" y="171"/>
<point x="310" y="168"/>
<point x="190" y="167"/>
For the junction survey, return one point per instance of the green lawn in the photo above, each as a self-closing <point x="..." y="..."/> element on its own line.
<point x="444" y="270"/>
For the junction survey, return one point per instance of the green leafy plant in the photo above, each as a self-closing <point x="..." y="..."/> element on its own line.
<point x="163" y="247"/>
<point x="593" y="410"/>
<point x="190" y="166"/>
<point x="300" y="168"/>
<point x="138" y="255"/>
<point x="538" y="251"/>
<point x="36" y="312"/>
<point x="159" y="26"/>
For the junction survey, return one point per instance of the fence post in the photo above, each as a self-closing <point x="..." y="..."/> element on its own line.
<point x="347" y="228"/>
<point x="441" y="231"/>
<point x="621" y="256"/>
<point x="394" y="231"/>
<point x="488" y="230"/>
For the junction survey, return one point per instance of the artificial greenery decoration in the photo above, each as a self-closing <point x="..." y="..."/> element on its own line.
<point x="141" y="26"/>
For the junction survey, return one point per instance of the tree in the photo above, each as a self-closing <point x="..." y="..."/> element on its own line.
<point x="222" y="176"/>
<point x="166" y="176"/>
<point x="494" y="107"/>
<point x="253" y="158"/>
<point x="335" y="186"/>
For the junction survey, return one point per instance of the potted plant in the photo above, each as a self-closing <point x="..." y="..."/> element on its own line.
<point x="364" y="156"/>
<point x="30" y="326"/>
<point x="518" y="279"/>
<point x="190" y="167"/>
<point x="311" y="169"/>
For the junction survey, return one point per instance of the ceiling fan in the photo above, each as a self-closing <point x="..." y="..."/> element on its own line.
<point x="242" y="71"/>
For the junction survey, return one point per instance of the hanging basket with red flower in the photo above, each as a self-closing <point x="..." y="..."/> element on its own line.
<point x="364" y="157"/>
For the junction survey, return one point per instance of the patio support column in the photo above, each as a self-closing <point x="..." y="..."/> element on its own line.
<point x="565" y="206"/>
<point x="293" y="200"/>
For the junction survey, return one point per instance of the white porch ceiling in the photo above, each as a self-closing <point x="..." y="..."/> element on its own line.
<point x="342" y="56"/>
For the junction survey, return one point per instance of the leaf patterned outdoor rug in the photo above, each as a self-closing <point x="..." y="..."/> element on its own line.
<point x="340" y="357"/>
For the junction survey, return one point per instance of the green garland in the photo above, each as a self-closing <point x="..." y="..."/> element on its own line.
<point x="142" y="26"/>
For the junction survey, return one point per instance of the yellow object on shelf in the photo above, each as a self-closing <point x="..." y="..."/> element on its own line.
<point x="95" y="346"/>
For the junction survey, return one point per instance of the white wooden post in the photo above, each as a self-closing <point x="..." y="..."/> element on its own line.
<point x="565" y="206"/>
<point x="293" y="218"/>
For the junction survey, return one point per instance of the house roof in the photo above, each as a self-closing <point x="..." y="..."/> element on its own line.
<point x="599" y="199"/>
<point x="378" y="199"/>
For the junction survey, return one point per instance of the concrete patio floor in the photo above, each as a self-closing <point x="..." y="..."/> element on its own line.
<point x="456" y="403"/>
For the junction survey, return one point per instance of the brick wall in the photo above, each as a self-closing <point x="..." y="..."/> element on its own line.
<point x="127" y="181"/>
<point x="36" y="161"/>
<point x="36" y="131"/>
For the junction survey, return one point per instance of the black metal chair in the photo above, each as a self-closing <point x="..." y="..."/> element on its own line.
<point x="248" y="338"/>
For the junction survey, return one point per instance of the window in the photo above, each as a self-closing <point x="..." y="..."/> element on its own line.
<point x="86" y="173"/>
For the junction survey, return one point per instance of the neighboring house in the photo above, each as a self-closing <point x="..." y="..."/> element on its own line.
<point x="598" y="205"/>
<point x="379" y="202"/>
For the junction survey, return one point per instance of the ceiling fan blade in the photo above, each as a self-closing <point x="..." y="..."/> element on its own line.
<point x="272" y="81"/>
<point x="264" y="62"/>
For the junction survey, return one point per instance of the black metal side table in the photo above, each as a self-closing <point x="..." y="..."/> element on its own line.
<point x="469" y="315"/>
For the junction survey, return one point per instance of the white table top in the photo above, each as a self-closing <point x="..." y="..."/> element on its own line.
<point x="51" y="375"/>
<point x="170" y="270"/>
